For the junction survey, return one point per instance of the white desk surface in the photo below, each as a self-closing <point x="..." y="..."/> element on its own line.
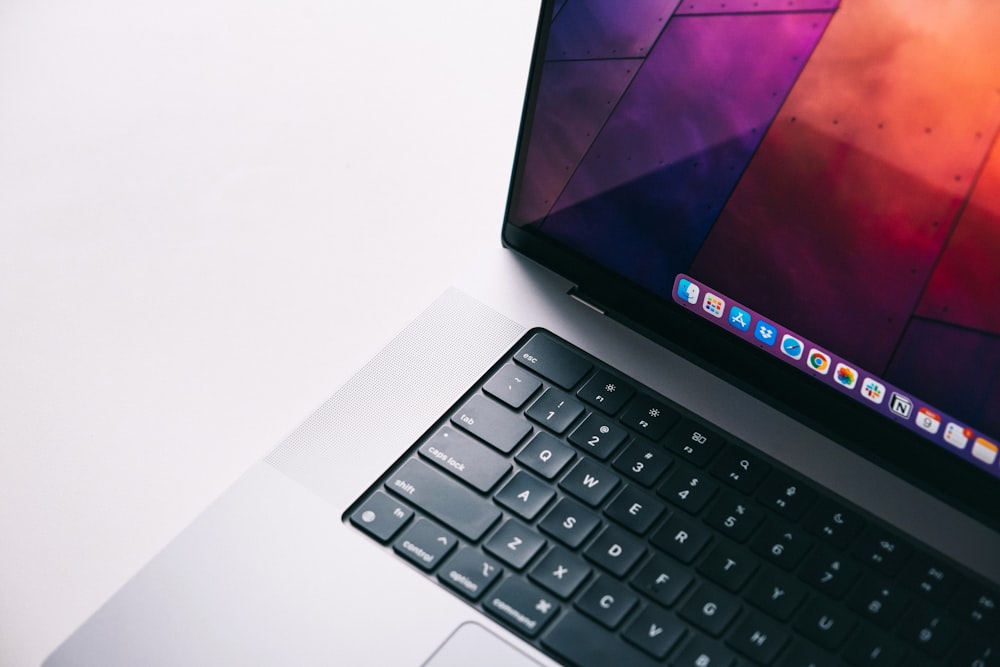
<point x="211" y="213"/>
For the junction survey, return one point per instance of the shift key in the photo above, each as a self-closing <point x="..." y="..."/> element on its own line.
<point x="443" y="498"/>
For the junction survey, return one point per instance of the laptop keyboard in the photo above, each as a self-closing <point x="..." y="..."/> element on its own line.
<point x="607" y="525"/>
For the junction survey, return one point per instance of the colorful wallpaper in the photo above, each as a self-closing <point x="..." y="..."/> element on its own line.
<point x="831" y="163"/>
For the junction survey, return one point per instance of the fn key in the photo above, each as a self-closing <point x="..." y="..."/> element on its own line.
<point x="380" y="516"/>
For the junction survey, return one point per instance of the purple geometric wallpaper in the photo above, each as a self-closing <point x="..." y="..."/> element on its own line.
<point x="754" y="6"/>
<point x="644" y="117"/>
<point x="833" y="164"/>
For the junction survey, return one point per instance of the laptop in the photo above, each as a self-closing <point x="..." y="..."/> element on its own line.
<point x="727" y="394"/>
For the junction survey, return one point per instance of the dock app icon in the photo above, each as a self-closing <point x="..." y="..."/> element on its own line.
<point x="957" y="436"/>
<point x="985" y="451"/>
<point x="791" y="346"/>
<point x="900" y="405"/>
<point x="928" y="420"/>
<point x="873" y="390"/>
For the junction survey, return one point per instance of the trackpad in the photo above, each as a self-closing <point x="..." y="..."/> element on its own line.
<point x="472" y="644"/>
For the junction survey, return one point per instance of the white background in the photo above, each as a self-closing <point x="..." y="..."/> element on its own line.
<point x="211" y="213"/>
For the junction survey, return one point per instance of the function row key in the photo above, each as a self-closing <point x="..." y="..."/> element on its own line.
<point x="606" y="392"/>
<point x="740" y="469"/>
<point x="649" y="417"/>
<point x="693" y="443"/>
<point x="553" y="361"/>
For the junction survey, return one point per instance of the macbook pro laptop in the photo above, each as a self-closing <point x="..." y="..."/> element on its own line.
<point x="728" y="394"/>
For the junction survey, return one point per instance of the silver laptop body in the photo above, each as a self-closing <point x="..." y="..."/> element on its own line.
<point x="276" y="572"/>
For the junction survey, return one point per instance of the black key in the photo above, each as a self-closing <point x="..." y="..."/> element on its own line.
<point x="929" y="630"/>
<point x="682" y="537"/>
<point x="710" y="609"/>
<point x="758" y="638"/>
<point x="881" y="550"/>
<point x="520" y="605"/>
<point x="381" y="516"/>
<point x="643" y="462"/>
<point x="607" y="602"/>
<point x="465" y="458"/>
<point x="512" y="385"/>
<point x="560" y="572"/>
<point x="879" y="601"/>
<point x="555" y="411"/>
<point x="977" y="606"/>
<point x="702" y="651"/>
<point x="615" y="550"/>
<point x="728" y="565"/>
<point x="606" y="392"/>
<point x="782" y="544"/>
<point x="829" y="572"/>
<point x="545" y="455"/>
<point x="649" y="417"/>
<point x="515" y="544"/>
<point x="802" y="654"/>
<point x="688" y="488"/>
<point x="930" y="578"/>
<point x="833" y="522"/>
<point x="776" y="594"/>
<point x="443" y="498"/>
<point x="785" y="495"/>
<point x="869" y="648"/>
<point x="525" y="495"/>
<point x="590" y="482"/>
<point x="491" y="422"/>
<point x="655" y="630"/>
<point x="425" y="544"/>
<point x="693" y="442"/>
<point x="825" y="623"/>
<point x="581" y="642"/>
<point x="553" y="361"/>
<point x="635" y="510"/>
<point x="734" y="516"/>
<point x="662" y="579"/>
<point x="598" y="436"/>
<point x="469" y="573"/>
<point x="570" y="522"/>
<point x="740" y="469"/>
<point x="976" y="650"/>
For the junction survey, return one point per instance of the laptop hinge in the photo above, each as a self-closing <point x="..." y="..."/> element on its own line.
<point x="577" y="295"/>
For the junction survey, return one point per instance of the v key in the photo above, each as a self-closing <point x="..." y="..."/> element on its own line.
<point x="655" y="630"/>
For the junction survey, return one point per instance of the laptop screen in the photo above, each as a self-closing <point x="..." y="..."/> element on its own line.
<point x="820" y="178"/>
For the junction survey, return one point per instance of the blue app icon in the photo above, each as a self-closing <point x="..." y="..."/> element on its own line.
<point x="765" y="333"/>
<point x="791" y="346"/>
<point x="739" y="318"/>
<point x="688" y="291"/>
